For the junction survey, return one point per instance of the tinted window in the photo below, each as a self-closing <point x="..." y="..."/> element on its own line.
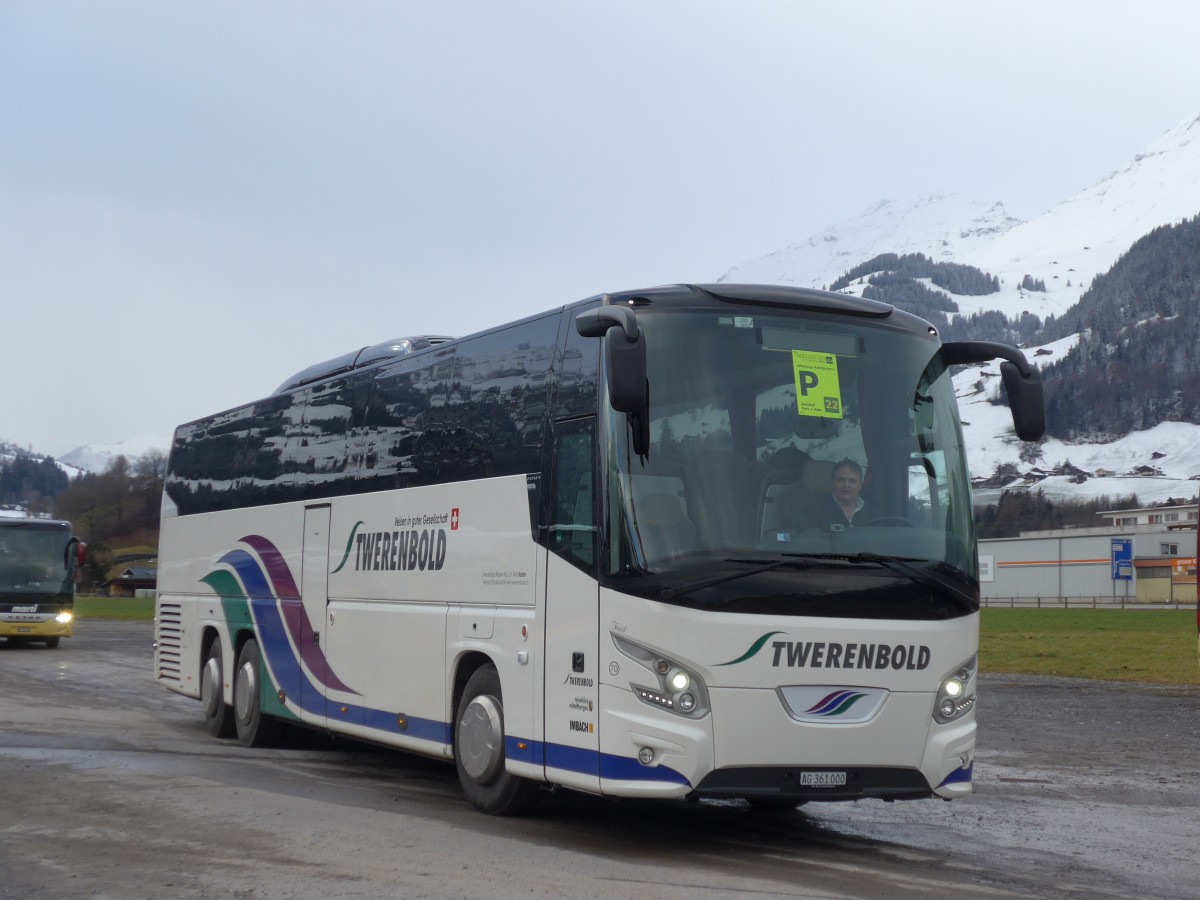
<point x="471" y="409"/>
<point x="577" y="380"/>
<point x="234" y="458"/>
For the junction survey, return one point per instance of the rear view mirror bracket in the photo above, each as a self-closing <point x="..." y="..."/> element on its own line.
<point x="1022" y="381"/>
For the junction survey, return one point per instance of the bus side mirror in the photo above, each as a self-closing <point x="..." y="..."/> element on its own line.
<point x="1022" y="381"/>
<point x="1025" y="400"/>
<point x="624" y="365"/>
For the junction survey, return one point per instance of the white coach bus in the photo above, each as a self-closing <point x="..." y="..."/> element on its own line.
<point x="599" y="548"/>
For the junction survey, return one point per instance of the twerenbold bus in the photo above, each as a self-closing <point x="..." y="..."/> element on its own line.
<point x="577" y="550"/>
<point x="37" y="579"/>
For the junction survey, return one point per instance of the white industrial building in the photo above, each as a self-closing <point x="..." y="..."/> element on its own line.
<point x="1142" y="556"/>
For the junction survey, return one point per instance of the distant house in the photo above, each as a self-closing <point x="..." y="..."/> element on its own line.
<point x="130" y="581"/>
<point x="1176" y="515"/>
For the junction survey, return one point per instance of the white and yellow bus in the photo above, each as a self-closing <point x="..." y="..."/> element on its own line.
<point x="587" y="549"/>
<point x="38" y="560"/>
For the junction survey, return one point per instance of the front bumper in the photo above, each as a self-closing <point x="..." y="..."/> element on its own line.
<point x="34" y="626"/>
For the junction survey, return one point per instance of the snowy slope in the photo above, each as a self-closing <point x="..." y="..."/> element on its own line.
<point x="941" y="227"/>
<point x="1172" y="448"/>
<point x="1072" y="242"/>
<point x="1083" y="236"/>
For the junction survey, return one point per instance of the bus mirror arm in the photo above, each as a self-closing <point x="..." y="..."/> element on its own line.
<point x="624" y="365"/>
<point x="597" y="322"/>
<point x="1022" y="381"/>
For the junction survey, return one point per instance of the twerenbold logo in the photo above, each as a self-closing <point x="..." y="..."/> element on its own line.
<point x="836" y="704"/>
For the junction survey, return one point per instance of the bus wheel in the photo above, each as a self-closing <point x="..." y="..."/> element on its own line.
<point x="218" y="717"/>
<point x="479" y="750"/>
<point x="254" y="729"/>
<point x="51" y="643"/>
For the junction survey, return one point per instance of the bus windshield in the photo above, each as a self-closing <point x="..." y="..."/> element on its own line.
<point x="777" y="436"/>
<point x="33" y="561"/>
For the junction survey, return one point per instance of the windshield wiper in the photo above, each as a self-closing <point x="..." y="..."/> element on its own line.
<point x="672" y="592"/>
<point x="921" y="576"/>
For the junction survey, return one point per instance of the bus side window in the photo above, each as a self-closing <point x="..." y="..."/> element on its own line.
<point x="572" y="528"/>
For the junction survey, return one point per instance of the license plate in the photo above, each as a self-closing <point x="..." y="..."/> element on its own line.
<point x="23" y="630"/>
<point x="822" y="779"/>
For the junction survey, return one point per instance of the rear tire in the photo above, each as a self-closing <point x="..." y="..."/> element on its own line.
<point x="254" y="728"/>
<point x="479" y="750"/>
<point x="218" y="716"/>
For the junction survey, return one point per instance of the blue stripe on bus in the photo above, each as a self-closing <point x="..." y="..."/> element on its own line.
<point x="415" y="726"/>
<point x="588" y="762"/>
<point x="281" y="659"/>
<point x="958" y="776"/>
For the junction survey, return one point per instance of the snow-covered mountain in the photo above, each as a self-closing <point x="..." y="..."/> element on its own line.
<point x="942" y="227"/>
<point x="1065" y="247"/>
<point x="98" y="457"/>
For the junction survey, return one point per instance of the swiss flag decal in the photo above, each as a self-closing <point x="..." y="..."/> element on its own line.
<point x="454" y="519"/>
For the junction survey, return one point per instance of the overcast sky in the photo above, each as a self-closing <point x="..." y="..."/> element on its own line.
<point x="199" y="199"/>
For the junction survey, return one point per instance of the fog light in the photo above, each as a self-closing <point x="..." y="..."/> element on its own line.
<point x="646" y="756"/>
<point x="686" y="702"/>
<point x="947" y="707"/>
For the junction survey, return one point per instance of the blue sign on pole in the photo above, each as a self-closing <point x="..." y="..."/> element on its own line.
<point x="1122" y="559"/>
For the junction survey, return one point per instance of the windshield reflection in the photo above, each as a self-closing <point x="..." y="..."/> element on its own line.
<point x="788" y="434"/>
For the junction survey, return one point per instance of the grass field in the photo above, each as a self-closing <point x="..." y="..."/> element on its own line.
<point x="1150" y="645"/>
<point x="123" y="608"/>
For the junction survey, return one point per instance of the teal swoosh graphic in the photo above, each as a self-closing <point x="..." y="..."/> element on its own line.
<point x="754" y="648"/>
<point x="349" y="544"/>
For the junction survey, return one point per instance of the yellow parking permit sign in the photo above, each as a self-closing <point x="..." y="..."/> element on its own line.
<point x="818" y="391"/>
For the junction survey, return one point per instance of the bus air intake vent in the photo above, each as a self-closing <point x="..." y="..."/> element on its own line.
<point x="170" y="629"/>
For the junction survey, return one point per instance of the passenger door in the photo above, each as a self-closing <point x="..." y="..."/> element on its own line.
<point x="314" y="596"/>
<point x="572" y="681"/>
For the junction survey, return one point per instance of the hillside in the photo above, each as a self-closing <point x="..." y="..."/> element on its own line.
<point x="1135" y="364"/>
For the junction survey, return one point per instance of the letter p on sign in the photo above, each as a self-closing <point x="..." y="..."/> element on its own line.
<point x="818" y="390"/>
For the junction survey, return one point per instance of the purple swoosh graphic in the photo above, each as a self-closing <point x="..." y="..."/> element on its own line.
<point x="294" y="617"/>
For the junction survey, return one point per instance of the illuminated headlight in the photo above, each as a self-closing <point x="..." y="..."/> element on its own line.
<point x="64" y="618"/>
<point x="676" y="688"/>
<point x="956" y="694"/>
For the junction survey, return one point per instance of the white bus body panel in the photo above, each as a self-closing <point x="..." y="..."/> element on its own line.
<point x="376" y="656"/>
<point x="412" y="582"/>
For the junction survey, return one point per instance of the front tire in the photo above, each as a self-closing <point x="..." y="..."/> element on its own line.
<point x="479" y="750"/>
<point x="51" y="643"/>
<point x="254" y="728"/>
<point x="218" y="716"/>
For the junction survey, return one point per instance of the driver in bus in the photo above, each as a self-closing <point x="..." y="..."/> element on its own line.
<point x="838" y="510"/>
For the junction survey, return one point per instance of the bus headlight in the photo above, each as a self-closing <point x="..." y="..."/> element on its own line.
<point x="956" y="694"/>
<point x="677" y="689"/>
<point x="64" y="618"/>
